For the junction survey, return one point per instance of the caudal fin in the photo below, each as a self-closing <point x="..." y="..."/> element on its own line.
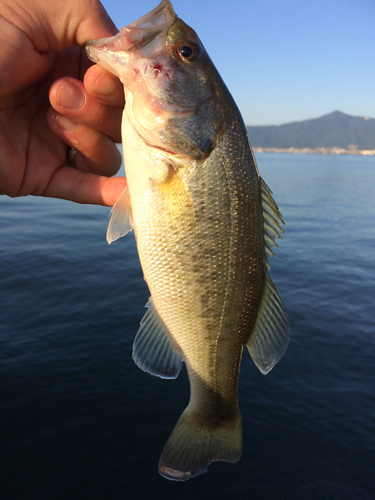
<point x="192" y="447"/>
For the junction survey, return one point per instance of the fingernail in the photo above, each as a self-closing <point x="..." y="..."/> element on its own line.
<point x="70" y="96"/>
<point x="65" y="123"/>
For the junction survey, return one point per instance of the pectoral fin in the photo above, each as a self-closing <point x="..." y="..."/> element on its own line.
<point x="177" y="207"/>
<point x="121" y="221"/>
<point x="270" y="337"/>
<point x="153" y="351"/>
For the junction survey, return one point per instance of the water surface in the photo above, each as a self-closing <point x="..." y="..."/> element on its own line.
<point x="78" y="420"/>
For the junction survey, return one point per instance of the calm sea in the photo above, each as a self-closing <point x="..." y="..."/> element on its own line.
<point x="78" y="420"/>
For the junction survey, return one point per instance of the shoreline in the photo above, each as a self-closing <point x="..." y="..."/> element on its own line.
<point x="321" y="151"/>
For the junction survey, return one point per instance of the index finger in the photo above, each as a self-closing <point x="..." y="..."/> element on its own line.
<point x="81" y="187"/>
<point x="104" y="86"/>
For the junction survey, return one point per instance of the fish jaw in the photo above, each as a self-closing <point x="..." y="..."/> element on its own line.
<point x="108" y="53"/>
<point x="148" y="113"/>
<point x="117" y="53"/>
<point x="159" y="18"/>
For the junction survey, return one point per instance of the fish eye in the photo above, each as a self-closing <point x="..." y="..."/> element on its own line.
<point x="188" y="51"/>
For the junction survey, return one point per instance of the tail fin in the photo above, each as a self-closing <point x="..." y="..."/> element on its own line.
<point x="191" y="447"/>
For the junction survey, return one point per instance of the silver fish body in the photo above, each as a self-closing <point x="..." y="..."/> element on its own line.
<point x="204" y="222"/>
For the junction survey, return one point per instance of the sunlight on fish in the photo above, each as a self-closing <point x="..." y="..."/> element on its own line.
<point x="205" y="223"/>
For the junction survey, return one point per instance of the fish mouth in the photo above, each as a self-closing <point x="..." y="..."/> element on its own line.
<point x="141" y="32"/>
<point x="115" y="52"/>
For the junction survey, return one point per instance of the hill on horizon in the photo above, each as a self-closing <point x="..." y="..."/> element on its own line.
<point x="336" y="129"/>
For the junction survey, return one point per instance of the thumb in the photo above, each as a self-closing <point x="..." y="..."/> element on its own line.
<point x="59" y="24"/>
<point x="88" y="22"/>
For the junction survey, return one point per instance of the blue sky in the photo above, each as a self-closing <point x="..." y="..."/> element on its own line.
<point x="282" y="60"/>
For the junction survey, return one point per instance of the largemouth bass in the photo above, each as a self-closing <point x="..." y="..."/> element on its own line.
<point x="204" y="223"/>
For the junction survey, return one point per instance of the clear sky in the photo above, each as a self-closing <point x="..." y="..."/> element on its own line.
<point x="282" y="60"/>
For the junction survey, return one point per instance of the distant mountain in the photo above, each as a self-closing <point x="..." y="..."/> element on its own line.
<point x="334" y="130"/>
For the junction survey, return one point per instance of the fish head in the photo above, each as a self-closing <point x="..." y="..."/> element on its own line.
<point x="169" y="80"/>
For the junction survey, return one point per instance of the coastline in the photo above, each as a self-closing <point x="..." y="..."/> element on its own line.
<point x="321" y="151"/>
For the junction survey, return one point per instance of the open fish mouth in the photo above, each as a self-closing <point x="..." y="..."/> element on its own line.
<point x="114" y="52"/>
<point x="144" y="30"/>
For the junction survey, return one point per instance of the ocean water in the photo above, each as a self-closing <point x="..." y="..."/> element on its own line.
<point x="78" y="420"/>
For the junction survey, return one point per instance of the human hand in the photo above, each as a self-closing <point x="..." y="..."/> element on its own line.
<point x="43" y="45"/>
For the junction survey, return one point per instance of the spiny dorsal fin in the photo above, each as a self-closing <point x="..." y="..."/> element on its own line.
<point x="153" y="351"/>
<point x="121" y="221"/>
<point x="270" y="337"/>
<point x="272" y="219"/>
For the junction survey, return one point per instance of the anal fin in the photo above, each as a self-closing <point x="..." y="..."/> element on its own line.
<point x="270" y="337"/>
<point x="153" y="350"/>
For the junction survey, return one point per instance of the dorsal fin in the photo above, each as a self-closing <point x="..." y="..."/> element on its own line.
<point x="121" y="221"/>
<point x="272" y="219"/>
<point x="153" y="350"/>
<point x="270" y="337"/>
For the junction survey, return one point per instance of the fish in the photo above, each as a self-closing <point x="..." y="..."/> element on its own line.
<point x="205" y="224"/>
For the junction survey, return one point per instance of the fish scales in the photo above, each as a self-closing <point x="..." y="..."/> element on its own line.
<point x="199" y="211"/>
<point x="206" y="255"/>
